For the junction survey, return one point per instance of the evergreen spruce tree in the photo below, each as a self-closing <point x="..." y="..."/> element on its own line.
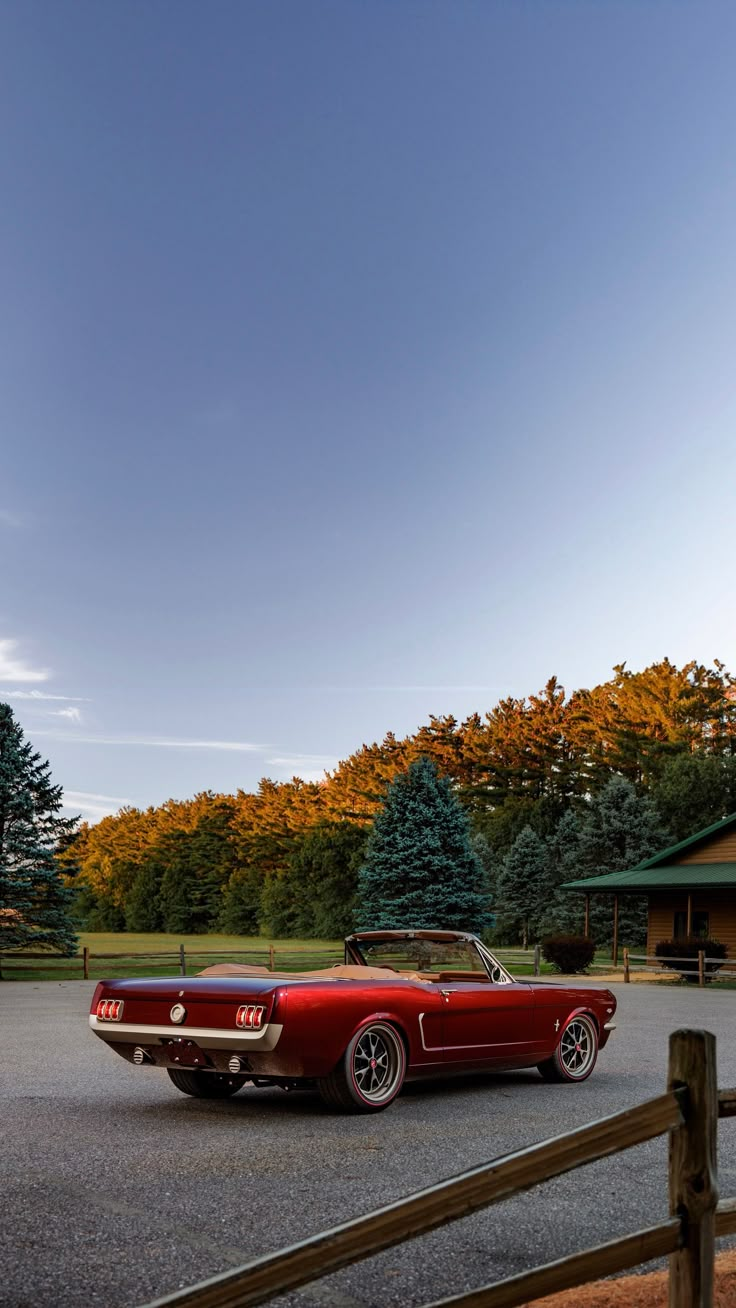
<point x="566" y="912"/>
<point x="619" y="830"/>
<point x="35" y="904"/>
<point x="419" y="868"/>
<point x="525" y="888"/>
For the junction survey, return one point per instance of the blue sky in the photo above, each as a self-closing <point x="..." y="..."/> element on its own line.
<point x="358" y="361"/>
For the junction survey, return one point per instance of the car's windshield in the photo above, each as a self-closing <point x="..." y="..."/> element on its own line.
<point x="421" y="955"/>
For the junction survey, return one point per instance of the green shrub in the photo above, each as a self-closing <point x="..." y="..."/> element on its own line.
<point x="683" y="956"/>
<point x="568" y="953"/>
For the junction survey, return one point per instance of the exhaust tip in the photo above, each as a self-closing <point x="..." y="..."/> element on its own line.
<point x="235" y="1065"/>
<point x="141" y="1056"/>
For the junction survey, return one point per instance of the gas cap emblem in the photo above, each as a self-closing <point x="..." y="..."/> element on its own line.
<point x="178" y="1013"/>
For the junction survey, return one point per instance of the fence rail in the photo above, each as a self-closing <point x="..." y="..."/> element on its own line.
<point x="702" y="969"/>
<point x="688" y="1111"/>
<point x="80" y="966"/>
<point x="271" y="956"/>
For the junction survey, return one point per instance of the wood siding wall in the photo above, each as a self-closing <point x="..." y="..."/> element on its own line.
<point x="720" y="848"/>
<point x="719" y="904"/>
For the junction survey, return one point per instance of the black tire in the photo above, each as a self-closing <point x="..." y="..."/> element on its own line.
<point x="370" y="1073"/>
<point x="206" y="1085"/>
<point x="576" y="1052"/>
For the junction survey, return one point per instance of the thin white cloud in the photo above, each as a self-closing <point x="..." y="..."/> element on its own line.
<point x="310" y="767"/>
<point x="41" y="694"/>
<point x="153" y="742"/>
<point x="402" y="690"/>
<point x="73" y="714"/>
<point x="13" y="668"/>
<point x="92" y="807"/>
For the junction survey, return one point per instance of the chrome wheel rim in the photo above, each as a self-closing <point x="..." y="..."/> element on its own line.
<point x="378" y="1064"/>
<point x="578" y="1048"/>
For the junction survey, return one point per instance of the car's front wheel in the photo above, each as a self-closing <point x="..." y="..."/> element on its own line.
<point x="206" y="1085"/>
<point x="575" y="1055"/>
<point x="370" y="1073"/>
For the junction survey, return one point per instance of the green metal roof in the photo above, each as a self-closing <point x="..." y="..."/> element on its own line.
<point x="665" y="854"/>
<point x="675" y="876"/>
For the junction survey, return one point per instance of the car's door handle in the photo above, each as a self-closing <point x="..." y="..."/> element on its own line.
<point x="445" y="993"/>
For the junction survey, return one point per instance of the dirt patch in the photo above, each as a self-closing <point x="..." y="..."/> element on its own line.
<point x="648" y="1291"/>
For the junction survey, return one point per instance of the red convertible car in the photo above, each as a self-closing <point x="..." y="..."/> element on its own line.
<point x="404" y="1004"/>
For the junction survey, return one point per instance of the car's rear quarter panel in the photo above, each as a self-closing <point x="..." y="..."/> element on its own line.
<point x="554" y="1005"/>
<point x="323" y="1018"/>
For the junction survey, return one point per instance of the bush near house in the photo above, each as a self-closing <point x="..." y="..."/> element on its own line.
<point x="568" y="953"/>
<point x="682" y="956"/>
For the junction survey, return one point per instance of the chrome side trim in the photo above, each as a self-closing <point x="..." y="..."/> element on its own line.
<point x="428" y="1049"/>
<point x="490" y="1045"/>
<point x="207" y="1037"/>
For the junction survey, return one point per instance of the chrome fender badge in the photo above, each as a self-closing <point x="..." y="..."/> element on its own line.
<point x="178" y="1013"/>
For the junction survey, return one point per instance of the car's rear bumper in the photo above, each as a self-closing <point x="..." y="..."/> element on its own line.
<point x="207" y="1037"/>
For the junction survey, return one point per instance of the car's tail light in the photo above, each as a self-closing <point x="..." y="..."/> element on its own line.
<point x="110" y="1010"/>
<point x="250" y="1016"/>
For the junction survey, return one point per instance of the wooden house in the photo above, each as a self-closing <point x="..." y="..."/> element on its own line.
<point x="690" y="888"/>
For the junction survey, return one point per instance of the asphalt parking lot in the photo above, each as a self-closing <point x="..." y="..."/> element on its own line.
<point x="117" y="1189"/>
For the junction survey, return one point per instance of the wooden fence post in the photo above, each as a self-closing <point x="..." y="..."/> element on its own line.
<point x="537" y="968"/>
<point x="693" y="1173"/>
<point x="627" y="975"/>
<point x="182" y="961"/>
<point x="271" y="958"/>
<point x="701" y="967"/>
<point x="85" y="962"/>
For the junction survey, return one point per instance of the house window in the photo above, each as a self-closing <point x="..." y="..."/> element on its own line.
<point x="700" y="925"/>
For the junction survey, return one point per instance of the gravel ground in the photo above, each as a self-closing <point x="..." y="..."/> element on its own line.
<point x="118" y="1189"/>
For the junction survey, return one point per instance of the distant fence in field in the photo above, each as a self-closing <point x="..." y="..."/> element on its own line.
<point x="90" y="965"/>
<point x="186" y="960"/>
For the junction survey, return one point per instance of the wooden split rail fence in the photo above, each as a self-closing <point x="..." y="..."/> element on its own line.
<point x="271" y="956"/>
<point x="688" y="1111"/>
<point x="701" y="969"/>
<point x="81" y="965"/>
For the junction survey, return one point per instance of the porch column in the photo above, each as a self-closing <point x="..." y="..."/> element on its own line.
<point x="615" y="930"/>
<point x="689" y="927"/>
<point x="586" y="928"/>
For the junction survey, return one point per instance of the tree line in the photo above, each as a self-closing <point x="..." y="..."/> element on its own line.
<point x="555" y="787"/>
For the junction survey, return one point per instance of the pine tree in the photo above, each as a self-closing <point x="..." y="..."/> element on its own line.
<point x="240" y="912"/>
<point x="419" y="868"/>
<point x="34" y="901"/>
<point x="322" y="879"/>
<point x="525" y="888"/>
<point x="142" y="910"/>
<point x="694" y="791"/>
<point x="566" y="912"/>
<point x="619" y="830"/>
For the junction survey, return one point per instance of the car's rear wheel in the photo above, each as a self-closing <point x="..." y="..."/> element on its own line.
<point x="575" y="1055"/>
<point x="370" y="1073"/>
<point x="206" y="1085"/>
